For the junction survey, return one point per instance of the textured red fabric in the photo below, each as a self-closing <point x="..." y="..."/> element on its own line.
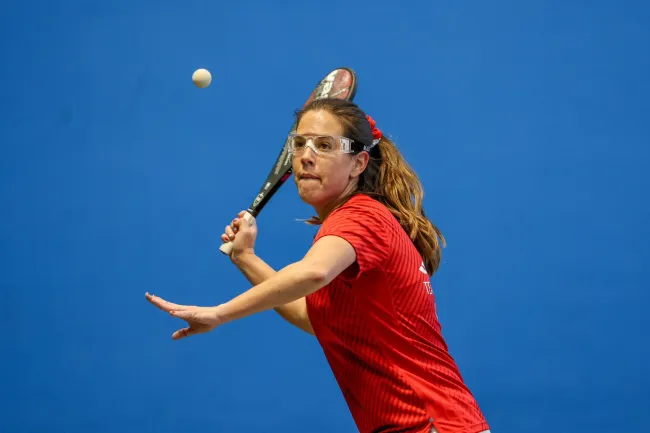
<point x="378" y="327"/>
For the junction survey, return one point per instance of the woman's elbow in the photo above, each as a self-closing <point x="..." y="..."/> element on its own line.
<point x="317" y="276"/>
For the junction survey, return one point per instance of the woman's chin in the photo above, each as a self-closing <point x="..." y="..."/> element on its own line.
<point x="310" y="196"/>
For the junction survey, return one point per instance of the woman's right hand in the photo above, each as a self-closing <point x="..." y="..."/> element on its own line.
<point x="242" y="235"/>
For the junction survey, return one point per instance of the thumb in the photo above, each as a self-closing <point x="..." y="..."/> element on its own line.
<point x="185" y="332"/>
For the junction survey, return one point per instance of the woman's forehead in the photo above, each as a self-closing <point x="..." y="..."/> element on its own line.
<point x="319" y="122"/>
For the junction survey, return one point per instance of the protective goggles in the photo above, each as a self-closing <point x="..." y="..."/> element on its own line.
<point x="321" y="144"/>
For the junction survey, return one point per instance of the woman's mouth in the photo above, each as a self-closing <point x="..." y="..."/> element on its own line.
<point x="307" y="176"/>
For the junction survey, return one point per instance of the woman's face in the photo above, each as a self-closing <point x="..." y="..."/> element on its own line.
<point x="322" y="179"/>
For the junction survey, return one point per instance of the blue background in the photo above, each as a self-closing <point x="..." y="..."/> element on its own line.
<point x="528" y="122"/>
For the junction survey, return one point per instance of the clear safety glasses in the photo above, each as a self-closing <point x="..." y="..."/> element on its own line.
<point x="321" y="144"/>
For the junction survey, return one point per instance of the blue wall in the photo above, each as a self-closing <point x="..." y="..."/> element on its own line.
<point x="528" y="123"/>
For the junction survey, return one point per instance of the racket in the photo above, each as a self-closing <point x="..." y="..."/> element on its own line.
<point x="341" y="83"/>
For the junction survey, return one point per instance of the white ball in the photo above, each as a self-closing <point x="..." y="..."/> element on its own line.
<point x="201" y="78"/>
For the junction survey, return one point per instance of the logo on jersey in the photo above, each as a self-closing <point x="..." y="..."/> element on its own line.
<point x="427" y="283"/>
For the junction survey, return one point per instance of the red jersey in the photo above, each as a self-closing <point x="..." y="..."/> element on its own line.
<point x="378" y="328"/>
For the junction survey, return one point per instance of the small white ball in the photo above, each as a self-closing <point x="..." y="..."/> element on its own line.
<point x="202" y="78"/>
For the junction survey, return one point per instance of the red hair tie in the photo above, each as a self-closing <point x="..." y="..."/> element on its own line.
<point x="376" y="132"/>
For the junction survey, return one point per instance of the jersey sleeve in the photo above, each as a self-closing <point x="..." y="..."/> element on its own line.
<point x="363" y="225"/>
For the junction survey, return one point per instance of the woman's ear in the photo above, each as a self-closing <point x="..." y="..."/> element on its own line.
<point x="360" y="163"/>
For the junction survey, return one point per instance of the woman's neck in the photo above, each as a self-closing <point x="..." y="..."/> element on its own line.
<point x="326" y="210"/>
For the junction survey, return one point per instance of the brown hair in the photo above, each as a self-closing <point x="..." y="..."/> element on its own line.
<point x="388" y="178"/>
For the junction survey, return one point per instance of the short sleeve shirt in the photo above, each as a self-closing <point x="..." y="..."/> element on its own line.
<point x="378" y="327"/>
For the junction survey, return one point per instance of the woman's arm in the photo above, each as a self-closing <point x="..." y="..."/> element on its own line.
<point x="326" y="259"/>
<point x="256" y="272"/>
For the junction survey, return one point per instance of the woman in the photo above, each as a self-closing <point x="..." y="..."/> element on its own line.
<point x="363" y="288"/>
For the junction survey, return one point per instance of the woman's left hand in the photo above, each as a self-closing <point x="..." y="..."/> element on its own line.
<point x="199" y="319"/>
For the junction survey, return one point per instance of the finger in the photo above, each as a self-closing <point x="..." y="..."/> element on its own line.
<point x="250" y="219"/>
<point x="162" y="304"/>
<point x="225" y="238"/>
<point x="240" y="224"/>
<point x="184" y="314"/>
<point x="230" y="232"/>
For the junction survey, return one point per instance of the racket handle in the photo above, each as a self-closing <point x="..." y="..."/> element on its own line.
<point x="226" y="248"/>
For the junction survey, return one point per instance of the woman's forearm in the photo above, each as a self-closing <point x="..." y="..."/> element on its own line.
<point x="258" y="271"/>
<point x="324" y="261"/>
<point x="288" y="285"/>
<point x="254" y="269"/>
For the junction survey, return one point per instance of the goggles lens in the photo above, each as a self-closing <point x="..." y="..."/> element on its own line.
<point x="321" y="144"/>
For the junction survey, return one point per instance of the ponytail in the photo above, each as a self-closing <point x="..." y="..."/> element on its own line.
<point x="398" y="187"/>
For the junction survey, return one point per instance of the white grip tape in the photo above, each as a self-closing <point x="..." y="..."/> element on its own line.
<point x="227" y="247"/>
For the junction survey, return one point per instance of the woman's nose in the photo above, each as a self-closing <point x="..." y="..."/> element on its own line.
<point x="308" y="156"/>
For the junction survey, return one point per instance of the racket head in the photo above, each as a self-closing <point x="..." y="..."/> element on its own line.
<point x="340" y="83"/>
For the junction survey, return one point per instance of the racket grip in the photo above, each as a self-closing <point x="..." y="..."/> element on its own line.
<point x="226" y="248"/>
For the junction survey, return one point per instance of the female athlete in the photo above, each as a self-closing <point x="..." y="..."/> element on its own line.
<point x="363" y="288"/>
